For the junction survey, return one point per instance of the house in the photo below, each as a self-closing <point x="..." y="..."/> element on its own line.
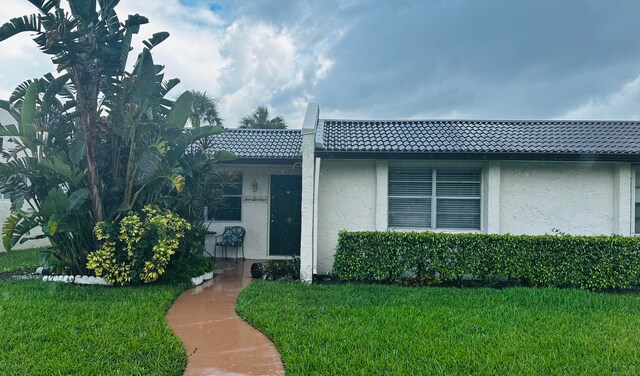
<point x="298" y="188"/>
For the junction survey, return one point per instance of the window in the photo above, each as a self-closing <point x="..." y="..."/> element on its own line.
<point x="231" y="208"/>
<point x="435" y="198"/>
<point x="4" y="196"/>
<point x="637" y="202"/>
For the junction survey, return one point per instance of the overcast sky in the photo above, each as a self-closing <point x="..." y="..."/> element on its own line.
<point x="464" y="59"/>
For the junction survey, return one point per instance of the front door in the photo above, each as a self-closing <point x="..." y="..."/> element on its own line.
<point x="286" y="207"/>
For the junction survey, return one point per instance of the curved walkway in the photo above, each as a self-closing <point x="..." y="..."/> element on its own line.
<point x="217" y="340"/>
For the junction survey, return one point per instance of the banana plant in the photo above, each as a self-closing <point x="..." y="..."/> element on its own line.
<point x="95" y="138"/>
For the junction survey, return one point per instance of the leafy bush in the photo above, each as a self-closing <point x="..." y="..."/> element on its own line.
<point x="181" y="270"/>
<point x="283" y="269"/>
<point x="587" y="262"/>
<point x="193" y="241"/>
<point x="138" y="248"/>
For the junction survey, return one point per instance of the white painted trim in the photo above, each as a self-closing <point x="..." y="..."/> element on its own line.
<point x="382" y="195"/>
<point x="491" y="202"/>
<point x="634" y="171"/>
<point x="316" y="191"/>
<point x="308" y="194"/>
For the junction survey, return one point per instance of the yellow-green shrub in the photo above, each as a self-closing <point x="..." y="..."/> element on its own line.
<point x="588" y="262"/>
<point x="138" y="248"/>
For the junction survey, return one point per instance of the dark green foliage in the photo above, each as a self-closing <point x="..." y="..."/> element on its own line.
<point x="193" y="242"/>
<point x="259" y="119"/>
<point x="181" y="270"/>
<point x="288" y="269"/>
<point x="587" y="262"/>
<point x="390" y="330"/>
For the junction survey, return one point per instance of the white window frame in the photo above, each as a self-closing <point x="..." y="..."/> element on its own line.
<point x="434" y="198"/>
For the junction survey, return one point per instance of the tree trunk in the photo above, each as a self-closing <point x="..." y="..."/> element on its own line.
<point x="87" y="90"/>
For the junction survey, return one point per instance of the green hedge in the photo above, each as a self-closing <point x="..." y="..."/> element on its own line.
<point x="588" y="262"/>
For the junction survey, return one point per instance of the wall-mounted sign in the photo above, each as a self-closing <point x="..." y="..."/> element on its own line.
<point x="255" y="199"/>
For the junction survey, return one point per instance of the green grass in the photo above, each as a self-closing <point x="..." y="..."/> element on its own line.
<point x="59" y="329"/>
<point x="20" y="259"/>
<point x="376" y="330"/>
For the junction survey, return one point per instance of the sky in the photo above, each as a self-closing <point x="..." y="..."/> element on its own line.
<point x="403" y="59"/>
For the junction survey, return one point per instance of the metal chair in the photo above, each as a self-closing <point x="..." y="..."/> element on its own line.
<point x="232" y="236"/>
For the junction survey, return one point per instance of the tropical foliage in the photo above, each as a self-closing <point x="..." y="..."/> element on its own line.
<point x="137" y="249"/>
<point x="95" y="141"/>
<point x="205" y="110"/>
<point x="259" y="119"/>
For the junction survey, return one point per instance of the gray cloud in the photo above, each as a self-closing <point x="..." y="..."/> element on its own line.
<point x="405" y="59"/>
<point x="487" y="59"/>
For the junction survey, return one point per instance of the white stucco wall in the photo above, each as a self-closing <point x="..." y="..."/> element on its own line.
<point x="346" y="201"/>
<point x="576" y="198"/>
<point x="255" y="215"/>
<point x="517" y="198"/>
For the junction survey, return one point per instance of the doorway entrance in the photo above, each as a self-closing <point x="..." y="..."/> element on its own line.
<point x="286" y="216"/>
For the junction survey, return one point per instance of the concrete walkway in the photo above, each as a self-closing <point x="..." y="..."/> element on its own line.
<point x="217" y="340"/>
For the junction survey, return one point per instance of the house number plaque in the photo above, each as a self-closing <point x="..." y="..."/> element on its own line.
<point x="255" y="199"/>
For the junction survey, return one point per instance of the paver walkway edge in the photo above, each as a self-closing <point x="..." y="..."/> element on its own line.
<point x="217" y="340"/>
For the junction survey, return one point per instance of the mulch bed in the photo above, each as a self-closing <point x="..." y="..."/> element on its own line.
<point x="19" y="273"/>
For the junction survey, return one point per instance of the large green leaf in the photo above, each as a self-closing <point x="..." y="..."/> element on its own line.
<point x="20" y="24"/>
<point x="52" y="225"/>
<point x="188" y="137"/>
<point x="7" y="230"/>
<point x="5" y="105"/>
<point x="45" y="5"/>
<point x="181" y="110"/>
<point x="77" y="149"/>
<point x="9" y="130"/>
<point x="156" y="39"/>
<point x="68" y="173"/>
<point x="224" y="155"/>
<point x="27" y="128"/>
<point x="56" y="202"/>
<point x="54" y="88"/>
<point x="77" y="198"/>
<point x="15" y="227"/>
<point x="83" y="9"/>
<point x="108" y="4"/>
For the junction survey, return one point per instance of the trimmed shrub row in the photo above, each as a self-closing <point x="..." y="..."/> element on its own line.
<point x="587" y="262"/>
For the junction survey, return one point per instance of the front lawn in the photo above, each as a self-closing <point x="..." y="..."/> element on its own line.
<point x="60" y="329"/>
<point x="20" y="259"/>
<point x="367" y="330"/>
<point x="54" y="328"/>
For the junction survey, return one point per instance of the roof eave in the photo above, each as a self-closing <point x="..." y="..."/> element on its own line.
<point x="507" y="156"/>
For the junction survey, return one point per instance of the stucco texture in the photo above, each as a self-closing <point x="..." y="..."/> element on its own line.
<point x="346" y="201"/>
<point x="575" y="198"/>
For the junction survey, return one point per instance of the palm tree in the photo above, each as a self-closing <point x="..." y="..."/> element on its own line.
<point x="205" y="110"/>
<point x="260" y="120"/>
